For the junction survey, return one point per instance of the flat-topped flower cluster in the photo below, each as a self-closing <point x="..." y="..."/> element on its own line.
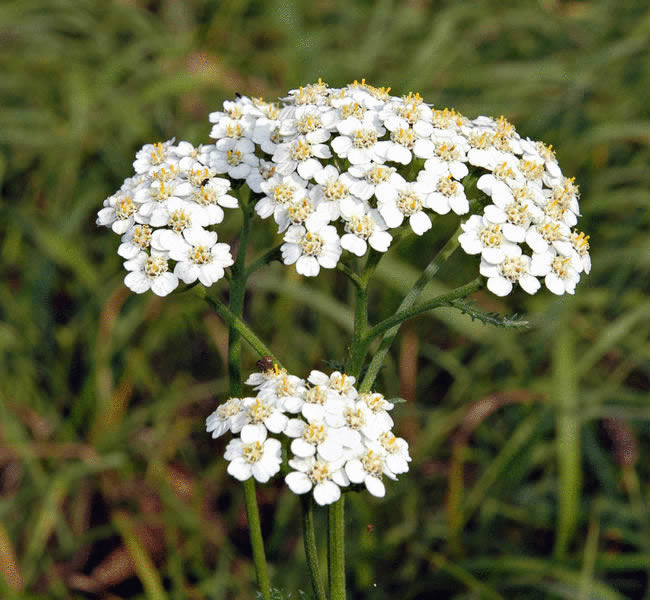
<point x="338" y="436"/>
<point x="339" y="169"/>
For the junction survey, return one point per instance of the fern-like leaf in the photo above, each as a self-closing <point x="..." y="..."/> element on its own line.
<point x="490" y="318"/>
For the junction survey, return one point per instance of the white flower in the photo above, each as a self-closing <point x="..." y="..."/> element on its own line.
<point x="325" y="477"/>
<point x="151" y="156"/>
<point x="549" y="234"/>
<point x="136" y="239"/>
<point x="311" y="247"/>
<point x="332" y="190"/>
<point x="341" y="383"/>
<point x="281" y="192"/>
<point x="284" y="391"/>
<point x="372" y="177"/>
<point x="259" y="458"/>
<point x="359" y="139"/>
<point x="481" y="236"/>
<point x="360" y="418"/>
<point x="404" y="200"/>
<point x="396" y="451"/>
<point x="312" y="122"/>
<point x="300" y="155"/>
<point x="562" y="203"/>
<point x="515" y="211"/>
<point x="580" y="255"/>
<point x="379" y="418"/>
<point x="443" y="193"/>
<point x="164" y="185"/>
<point x="198" y="254"/>
<point x="506" y="176"/>
<point x="318" y="436"/>
<point x="267" y="378"/>
<point x="448" y="157"/>
<point x="235" y="157"/>
<point x="560" y="276"/>
<point x="119" y="212"/>
<point x="209" y="198"/>
<point x="261" y="415"/>
<point x="229" y="416"/>
<point x="150" y="272"/>
<point x="368" y="469"/>
<point x="365" y="228"/>
<point x="322" y="403"/>
<point x="179" y="214"/>
<point x="540" y="152"/>
<point x="513" y="268"/>
<point x="264" y="171"/>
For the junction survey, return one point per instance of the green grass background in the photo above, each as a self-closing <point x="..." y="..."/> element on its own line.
<point x="531" y="476"/>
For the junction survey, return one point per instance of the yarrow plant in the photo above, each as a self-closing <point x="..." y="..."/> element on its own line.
<point x="342" y="173"/>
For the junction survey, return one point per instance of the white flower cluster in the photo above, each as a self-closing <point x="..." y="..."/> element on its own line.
<point x="162" y="214"/>
<point x="337" y="169"/>
<point x="338" y="436"/>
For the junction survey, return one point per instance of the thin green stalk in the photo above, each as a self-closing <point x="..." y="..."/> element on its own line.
<point x="311" y="552"/>
<point x="237" y="293"/>
<point x="336" y="550"/>
<point x="568" y="424"/>
<point x="404" y="315"/>
<point x="255" y="534"/>
<point x="236" y="323"/>
<point x="359" y="347"/>
<point x="273" y="254"/>
<point x="407" y="303"/>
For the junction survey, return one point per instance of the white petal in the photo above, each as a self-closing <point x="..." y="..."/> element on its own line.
<point x="529" y="284"/>
<point x="354" y="244"/>
<point x="137" y="281"/>
<point x="307" y="266"/>
<point x="302" y="448"/>
<point x="299" y="483"/>
<point x="499" y="286"/>
<point x="240" y="469"/>
<point x="253" y="433"/>
<point x="326" y="493"/>
<point x="375" y="486"/>
<point x="355" y="470"/>
<point x="420" y="222"/>
<point x="164" y="284"/>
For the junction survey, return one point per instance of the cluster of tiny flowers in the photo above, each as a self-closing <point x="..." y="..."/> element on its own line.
<point x="163" y="213"/>
<point x="338" y="436"/>
<point x="338" y="169"/>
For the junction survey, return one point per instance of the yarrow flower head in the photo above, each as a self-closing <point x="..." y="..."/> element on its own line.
<point x="337" y="437"/>
<point x="341" y="170"/>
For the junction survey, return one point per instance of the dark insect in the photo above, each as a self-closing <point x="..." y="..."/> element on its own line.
<point x="237" y="95"/>
<point x="265" y="363"/>
<point x="205" y="181"/>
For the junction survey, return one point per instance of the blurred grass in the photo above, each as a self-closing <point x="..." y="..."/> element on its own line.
<point x="530" y="476"/>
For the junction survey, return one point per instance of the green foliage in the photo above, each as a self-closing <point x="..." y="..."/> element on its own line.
<point x="529" y="478"/>
<point x="489" y="318"/>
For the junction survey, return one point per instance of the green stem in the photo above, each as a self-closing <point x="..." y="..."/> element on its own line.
<point x="336" y="550"/>
<point x="407" y="303"/>
<point x="236" y="323"/>
<point x="273" y="254"/>
<point x="237" y="293"/>
<point x="311" y="552"/>
<point x="255" y="534"/>
<point x="359" y="347"/>
<point x="404" y="315"/>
